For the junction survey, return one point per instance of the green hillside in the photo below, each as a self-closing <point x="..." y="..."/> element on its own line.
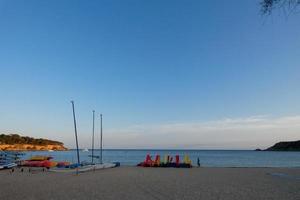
<point x="17" y="139"/>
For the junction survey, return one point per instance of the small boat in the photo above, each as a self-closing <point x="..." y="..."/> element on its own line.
<point x="93" y="156"/>
<point x="44" y="163"/>
<point x="9" y="160"/>
<point x="40" y="158"/>
<point x="84" y="168"/>
<point x="40" y="161"/>
<point x="85" y="150"/>
<point x="7" y="165"/>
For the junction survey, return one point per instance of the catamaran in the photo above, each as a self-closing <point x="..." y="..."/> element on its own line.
<point x="86" y="166"/>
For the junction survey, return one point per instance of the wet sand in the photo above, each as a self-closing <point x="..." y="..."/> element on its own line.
<point x="154" y="183"/>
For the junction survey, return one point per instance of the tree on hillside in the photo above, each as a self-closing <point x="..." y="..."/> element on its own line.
<point x="17" y="139"/>
<point x="267" y="6"/>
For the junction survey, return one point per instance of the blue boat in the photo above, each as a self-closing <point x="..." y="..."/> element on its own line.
<point x="9" y="159"/>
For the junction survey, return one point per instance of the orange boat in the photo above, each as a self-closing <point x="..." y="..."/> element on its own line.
<point x="40" y="161"/>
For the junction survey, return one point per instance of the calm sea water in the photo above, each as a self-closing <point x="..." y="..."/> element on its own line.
<point x="209" y="158"/>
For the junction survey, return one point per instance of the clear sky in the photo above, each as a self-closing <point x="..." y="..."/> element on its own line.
<point x="164" y="73"/>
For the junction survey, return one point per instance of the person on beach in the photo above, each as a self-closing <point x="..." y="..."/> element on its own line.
<point x="198" y="162"/>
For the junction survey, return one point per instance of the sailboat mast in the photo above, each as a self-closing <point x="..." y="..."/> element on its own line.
<point x="93" y="136"/>
<point x="78" y="160"/>
<point x="101" y="139"/>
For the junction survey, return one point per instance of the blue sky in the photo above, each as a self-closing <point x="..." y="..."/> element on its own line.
<point x="145" y="63"/>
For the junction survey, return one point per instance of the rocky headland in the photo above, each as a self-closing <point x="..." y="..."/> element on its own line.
<point x="15" y="142"/>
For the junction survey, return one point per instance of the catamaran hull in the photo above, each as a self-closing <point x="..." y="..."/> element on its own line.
<point x="85" y="168"/>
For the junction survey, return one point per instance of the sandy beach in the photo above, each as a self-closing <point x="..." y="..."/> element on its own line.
<point x="154" y="183"/>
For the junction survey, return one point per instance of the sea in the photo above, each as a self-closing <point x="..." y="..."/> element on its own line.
<point x="208" y="158"/>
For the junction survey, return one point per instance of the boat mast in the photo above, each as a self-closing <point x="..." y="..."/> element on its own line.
<point x="101" y="140"/>
<point x="93" y="136"/>
<point x="78" y="160"/>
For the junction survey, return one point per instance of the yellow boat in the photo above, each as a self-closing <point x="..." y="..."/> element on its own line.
<point x="40" y="158"/>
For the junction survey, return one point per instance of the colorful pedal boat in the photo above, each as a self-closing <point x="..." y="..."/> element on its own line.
<point x="168" y="162"/>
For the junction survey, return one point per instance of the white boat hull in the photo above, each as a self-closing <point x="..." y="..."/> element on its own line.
<point x="8" y="166"/>
<point x="85" y="168"/>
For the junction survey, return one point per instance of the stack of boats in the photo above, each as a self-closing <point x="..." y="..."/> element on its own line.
<point x="54" y="166"/>
<point x="9" y="159"/>
<point x="43" y="161"/>
<point x="166" y="162"/>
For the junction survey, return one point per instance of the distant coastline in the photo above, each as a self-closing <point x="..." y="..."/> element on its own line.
<point x="15" y="142"/>
<point x="285" y="146"/>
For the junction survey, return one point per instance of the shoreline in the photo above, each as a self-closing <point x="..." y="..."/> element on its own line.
<point x="207" y="158"/>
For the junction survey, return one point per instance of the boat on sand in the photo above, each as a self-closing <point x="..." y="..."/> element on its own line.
<point x="39" y="161"/>
<point x="8" y="159"/>
<point x="167" y="162"/>
<point x="85" y="166"/>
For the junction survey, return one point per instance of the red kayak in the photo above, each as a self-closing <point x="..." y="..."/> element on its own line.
<point x="42" y="163"/>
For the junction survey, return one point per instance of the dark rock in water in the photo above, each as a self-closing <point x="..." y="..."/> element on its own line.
<point x="285" y="146"/>
<point x="257" y="149"/>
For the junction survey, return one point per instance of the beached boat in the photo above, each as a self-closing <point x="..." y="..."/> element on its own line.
<point x="7" y="165"/>
<point x="40" y="161"/>
<point x="85" y="168"/>
<point x="40" y="158"/>
<point x="9" y="159"/>
<point x="44" y="163"/>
